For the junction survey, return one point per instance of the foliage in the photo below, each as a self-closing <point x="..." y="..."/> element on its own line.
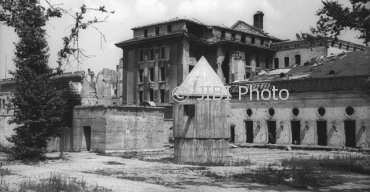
<point x="335" y="17"/>
<point x="39" y="105"/>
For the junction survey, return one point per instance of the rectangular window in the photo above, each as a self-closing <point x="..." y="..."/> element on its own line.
<point x="223" y="34"/>
<point x="141" y="75"/>
<point x="141" y="96"/>
<point x="151" y="94"/>
<point x="151" y="74"/>
<point x="233" y="36"/>
<point x="162" y="92"/>
<point x="286" y="61"/>
<point x="157" y="30"/>
<point x="297" y="59"/>
<point x="262" y="42"/>
<point x="296" y="132"/>
<point x="163" y="52"/>
<point x="267" y="63"/>
<point x="146" y="33"/>
<point x="162" y="71"/>
<point x="243" y="38"/>
<point x="189" y="110"/>
<point x="141" y="55"/>
<point x="151" y="54"/>
<point x="276" y="63"/>
<point x="253" y="40"/>
<point x="257" y="61"/>
<point x="169" y="28"/>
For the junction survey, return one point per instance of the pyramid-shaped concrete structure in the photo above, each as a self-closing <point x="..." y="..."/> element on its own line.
<point x="202" y="81"/>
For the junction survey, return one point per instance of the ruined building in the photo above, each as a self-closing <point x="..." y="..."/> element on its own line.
<point x="161" y="55"/>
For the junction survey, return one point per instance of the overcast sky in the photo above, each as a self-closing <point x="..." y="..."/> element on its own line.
<point x="283" y="19"/>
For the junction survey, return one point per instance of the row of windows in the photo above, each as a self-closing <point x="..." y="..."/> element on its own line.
<point x="153" y="53"/>
<point x="287" y="62"/>
<point x="157" y="30"/>
<point x="242" y="38"/>
<point x="162" y="95"/>
<point x="152" y="76"/>
<point x="296" y="136"/>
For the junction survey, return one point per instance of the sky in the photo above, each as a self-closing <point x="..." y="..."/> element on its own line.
<point x="282" y="18"/>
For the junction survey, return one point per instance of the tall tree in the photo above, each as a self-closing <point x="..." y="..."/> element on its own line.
<point x="39" y="105"/>
<point x="335" y="17"/>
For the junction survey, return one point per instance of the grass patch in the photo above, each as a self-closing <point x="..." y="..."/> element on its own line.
<point x="348" y="163"/>
<point x="295" y="177"/>
<point x="57" y="183"/>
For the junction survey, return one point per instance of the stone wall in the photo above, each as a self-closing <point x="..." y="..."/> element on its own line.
<point x="306" y="54"/>
<point x="334" y="103"/>
<point x="119" y="128"/>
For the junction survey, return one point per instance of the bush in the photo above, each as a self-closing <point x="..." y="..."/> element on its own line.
<point x="57" y="183"/>
<point x="349" y="163"/>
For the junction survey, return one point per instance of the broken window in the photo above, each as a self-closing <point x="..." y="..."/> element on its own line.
<point x="141" y="55"/>
<point x="257" y="61"/>
<point x="243" y="38"/>
<point x="163" y="52"/>
<point x="146" y="33"/>
<point x="141" y="75"/>
<point x="276" y="63"/>
<point x="141" y="96"/>
<point x="151" y="94"/>
<point x="169" y="28"/>
<point x="157" y="30"/>
<point x="151" y="74"/>
<point x="297" y="59"/>
<point x="223" y="34"/>
<point x="151" y="54"/>
<point x="286" y="61"/>
<point x="162" y="93"/>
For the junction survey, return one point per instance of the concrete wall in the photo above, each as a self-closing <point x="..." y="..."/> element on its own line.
<point x="120" y="128"/>
<point x="308" y="104"/>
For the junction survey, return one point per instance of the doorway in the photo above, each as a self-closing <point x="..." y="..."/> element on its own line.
<point x="321" y="133"/>
<point x="296" y="132"/>
<point x="249" y="131"/>
<point x="350" y="132"/>
<point x="232" y="133"/>
<point x="271" y="126"/>
<point x="87" y="134"/>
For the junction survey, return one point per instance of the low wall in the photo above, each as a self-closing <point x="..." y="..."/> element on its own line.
<point x="119" y="128"/>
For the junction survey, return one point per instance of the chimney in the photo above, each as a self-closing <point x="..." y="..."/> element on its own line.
<point x="258" y="20"/>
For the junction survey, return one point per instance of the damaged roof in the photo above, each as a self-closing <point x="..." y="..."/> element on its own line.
<point x="345" y="64"/>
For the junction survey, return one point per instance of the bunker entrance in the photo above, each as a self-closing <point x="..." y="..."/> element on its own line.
<point x="249" y="131"/>
<point x="296" y="132"/>
<point x="322" y="133"/>
<point x="271" y="126"/>
<point x="87" y="134"/>
<point x="350" y="133"/>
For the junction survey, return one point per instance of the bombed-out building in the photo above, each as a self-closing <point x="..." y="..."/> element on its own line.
<point x="161" y="55"/>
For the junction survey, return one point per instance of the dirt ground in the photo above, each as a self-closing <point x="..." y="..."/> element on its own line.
<point x="158" y="173"/>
